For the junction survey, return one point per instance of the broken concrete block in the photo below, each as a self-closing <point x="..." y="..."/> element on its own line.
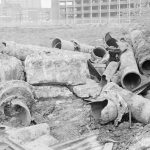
<point x="28" y="134"/>
<point x="89" y="141"/>
<point x="34" y="137"/>
<point x="43" y="142"/>
<point x="16" y="100"/>
<point x="11" y="68"/>
<point x="66" y="68"/>
<point x="45" y="92"/>
<point x="90" y="89"/>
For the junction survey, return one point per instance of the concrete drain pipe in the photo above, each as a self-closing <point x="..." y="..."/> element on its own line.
<point x="71" y="45"/>
<point x="97" y="55"/>
<point x="16" y="100"/>
<point x="142" y="51"/>
<point x="130" y="78"/>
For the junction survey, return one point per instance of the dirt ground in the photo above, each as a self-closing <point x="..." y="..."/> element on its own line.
<point x="63" y="115"/>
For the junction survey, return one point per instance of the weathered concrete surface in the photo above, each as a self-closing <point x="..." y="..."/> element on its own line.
<point x="11" y="68"/>
<point x="91" y="89"/>
<point x="46" y="92"/>
<point x="34" y="137"/>
<point x="69" y="68"/>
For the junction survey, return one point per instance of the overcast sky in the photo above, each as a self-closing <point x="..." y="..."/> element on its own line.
<point x="45" y="3"/>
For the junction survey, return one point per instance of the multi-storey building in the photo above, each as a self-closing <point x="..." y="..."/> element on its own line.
<point x="94" y="10"/>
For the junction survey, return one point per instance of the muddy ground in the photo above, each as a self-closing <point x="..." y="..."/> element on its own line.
<point x="70" y="117"/>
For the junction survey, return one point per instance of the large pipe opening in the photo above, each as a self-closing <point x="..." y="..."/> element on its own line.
<point x="146" y="67"/>
<point x="97" y="108"/>
<point x="99" y="52"/>
<point x="56" y="43"/>
<point x="131" y="81"/>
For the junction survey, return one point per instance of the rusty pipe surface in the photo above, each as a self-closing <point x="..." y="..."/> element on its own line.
<point x="63" y="44"/>
<point x="71" y="45"/>
<point x="130" y="78"/>
<point x="140" y="106"/>
<point x="16" y="100"/>
<point x="110" y="71"/>
<point x="141" y="50"/>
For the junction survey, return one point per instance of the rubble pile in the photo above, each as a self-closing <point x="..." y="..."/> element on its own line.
<point x="52" y="95"/>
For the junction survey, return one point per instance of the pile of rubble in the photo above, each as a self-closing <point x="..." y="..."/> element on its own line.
<point x="105" y="83"/>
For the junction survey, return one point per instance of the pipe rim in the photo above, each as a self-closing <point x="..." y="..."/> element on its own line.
<point x="56" y="43"/>
<point x="145" y="67"/>
<point x="136" y="75"/>
<point x="99" y="49"/>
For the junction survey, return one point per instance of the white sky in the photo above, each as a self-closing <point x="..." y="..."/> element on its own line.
<point x="45" y="3"/>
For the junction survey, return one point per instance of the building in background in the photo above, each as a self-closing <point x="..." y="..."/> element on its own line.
<point x="23" y="3"/>
<point x="86" y="11"/>
<point x="21" y="11"/>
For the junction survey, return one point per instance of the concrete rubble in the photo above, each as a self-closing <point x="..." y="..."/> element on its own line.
<point x="53" y="98"/>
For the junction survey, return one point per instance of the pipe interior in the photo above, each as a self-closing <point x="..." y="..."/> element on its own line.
<point x="99" y="52"/>
<point x="146" y="66"/>
<point x="131" y="81"/>
<point x="56" y="43"/>
<point x="112" y="42"/>
<point x="97" y="107"/>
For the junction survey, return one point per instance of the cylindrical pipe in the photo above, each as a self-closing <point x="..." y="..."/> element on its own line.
<point x="85" y="48"/>
<point x="140" y="106"/>
<point x="142" y="51"/>
<point x="16" y="100"/>
<point x="104" y="110"/>
<point x="110" y="71"/>
<point x="98" y="53"/>
<point x="63" y="44"/>
<point x="71" y="45"/>
<point x="130" y="78"/>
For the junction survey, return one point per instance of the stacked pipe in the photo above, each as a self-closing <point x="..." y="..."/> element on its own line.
<point x="71" y="45"/>
<point x="130" y="76"/>
<point x="141" y="50"/>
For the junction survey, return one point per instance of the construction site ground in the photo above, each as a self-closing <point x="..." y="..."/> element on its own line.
<point x="63" y="114"/>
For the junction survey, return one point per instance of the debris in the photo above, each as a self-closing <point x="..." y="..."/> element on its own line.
<point x="130" y="78"/>
<point x="110" y="71"/>
<point x="11" y="68"/>
<point x="29" y="138"/>
<point x="90" y="90"/>
<point x="138" y="104"/>
<point x="98" y="53"/>
<point x="108" y="146"/>
<point x="16" y="100"/>
<point x="87" y="142"/>
<point x="62" y="69"/>
<point x="110" y="41"/>
<point x="19" y="51"/>
<point x="103" y="110"/>
<point x="93" y="71"/>
<point x="46" y="92"/>
<point x="142" y="51"/>
<point x="71" y="45"/>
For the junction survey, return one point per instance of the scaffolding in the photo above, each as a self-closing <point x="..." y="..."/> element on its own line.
<point x="96" y="11"/>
